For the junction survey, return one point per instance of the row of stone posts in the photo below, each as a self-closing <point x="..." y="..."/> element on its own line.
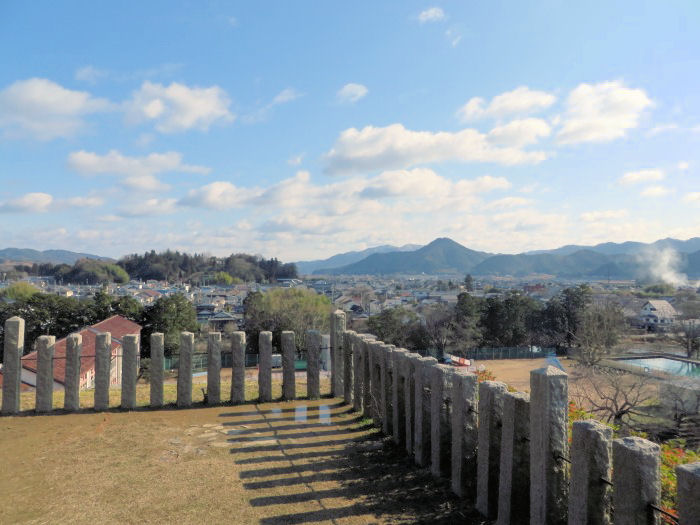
<point x="506" y="451"/>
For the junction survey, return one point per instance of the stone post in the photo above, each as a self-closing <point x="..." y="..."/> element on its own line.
<point x="46" y="345"/>
<point x="289" y="350"/>
<point x="688" y="490"/>
<point x="12" y="365"/>
<point x="422" y="432"/>
<point x="214" y="368"/>
<point x="130" y="369"/>
<point x="184" y="370"/>
<point x="357" y="366"/>
<point x="157" y="351"/>
<point x="265" y="367"/>
<point x="103" y="363"/>
<point x="74" y="347"/>
<point x="325" y="360"/>
<point x="636" y="481"/>
<point x="398" y="396"/>
<point x="348" y="372"/>
<point x="491" y="395"/>
<point x="440" y="419"/>
<point x="376" y="383"/>
<point x="549" y="407"/>
<point x="367" y="377"/>
<point x="337" y="329"/>
<point x="313" y="354"/>
<point x="387" y="378"/>
<point x="410" y="365"/>
<point x="514" y="475"/>
<point x="238" y="367"/>
<point x="464" y="433"/>
<point x="591" y="462"/>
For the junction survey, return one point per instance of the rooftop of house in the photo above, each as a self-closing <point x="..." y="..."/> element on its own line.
<point x="662" y="307"/>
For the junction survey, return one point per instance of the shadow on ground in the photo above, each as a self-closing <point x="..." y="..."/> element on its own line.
<point x="316" y="461"/>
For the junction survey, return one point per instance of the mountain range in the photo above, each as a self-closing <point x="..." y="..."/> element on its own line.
<point x="27" y="255"/>
<point x="343" y="259"/>
<point x="660" y="260"/>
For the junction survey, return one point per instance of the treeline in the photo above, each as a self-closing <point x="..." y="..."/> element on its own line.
<point x="46" y="314"/>
<point x="166" y="266"/>
<point x="513" y="320"/>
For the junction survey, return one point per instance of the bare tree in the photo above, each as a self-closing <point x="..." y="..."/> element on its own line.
<point x="439" y="327"/>
<point x="687" y="334"/>
<point x="599" y="332"/>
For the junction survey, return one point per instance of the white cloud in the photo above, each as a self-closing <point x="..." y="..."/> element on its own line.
<point x="521" y="101"/>
<point x="41" y="109"/>
<point x="28" y="203"/>
<point x="432" y="14"/>
<point x="80" y="202"/>
<point x="453" y="36"/>
<point x="261" y="114"/>
<point x="507" y="203"/>
<point x="136" y="172"/>
<point x="655" y="191"/>
<point x="603" y="215"/>
<point x="519" y="133"/>
<point x="601" y="112"/>
<point x="148" y="207"/>
<point x="692" y="197"/>
<point x="295" y="160"/>
<point x="90" y="74"/>
<point x="634" y="177"/>
<point x="683" y="166"/>
<point x="220" y="195"/>
<point x="351" y="93"/>
<point x="662" y="128"/>
<point x="284" y="96"/>
<point x="178" y="107"/>
<point x="394" y="146"/>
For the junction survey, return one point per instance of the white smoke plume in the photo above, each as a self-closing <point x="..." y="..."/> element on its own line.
<point x="663" y="265"/>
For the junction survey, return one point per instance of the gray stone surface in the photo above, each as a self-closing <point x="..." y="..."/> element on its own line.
<point x="74" y="347"/>
<point x="214" y="368"/>
<point x="157" y="352"/>
<point x="130" y="370"/>
<point x="514" y="472"/>
<point x="336" y="343"/>
<point x="590" y="498"/>
<point x="375" y="361"/>
<point x="103" y="358"/>
<point x="12" y="365"/>
<point x="325" y="360"/>
<point x="289" y="350"/>
<point x="440" y="419"/>
<point x="238" y="367"/>
<point x="313" y="353"/>
<point x="45" y="348"/>
<point x="398" y="396"/>
<point x="491" y="395"/>
<point x="464" y="433"/>
<point x="410" y="363"/>
<point x="358" y="347"/>
<point x="549" y="408"/>
<point x="184" y="370"/>
<point x="421" y="416"/>
<point x="387" y="378"/>
<point x="348" y="372"/>
<point x="688" y="493"/>
<point x="265" y="367"/>
<point x="636" y="481"/>
<point x="367" y="377"/>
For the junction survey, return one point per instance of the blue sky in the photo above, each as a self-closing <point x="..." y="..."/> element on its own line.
<point x="303" y="129"/>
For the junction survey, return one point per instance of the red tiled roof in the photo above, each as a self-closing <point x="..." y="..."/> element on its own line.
<point x="117" y="325"/>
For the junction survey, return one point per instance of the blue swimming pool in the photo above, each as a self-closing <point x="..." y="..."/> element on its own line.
<point x="665" y="364"/>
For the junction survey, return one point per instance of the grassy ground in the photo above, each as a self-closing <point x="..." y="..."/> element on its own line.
<point x="285" y="462"/>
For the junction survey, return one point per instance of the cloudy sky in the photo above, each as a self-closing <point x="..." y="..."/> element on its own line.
<point x="303" y="129"/>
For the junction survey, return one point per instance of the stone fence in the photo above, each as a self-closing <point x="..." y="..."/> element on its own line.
<point x="508" y="452"/>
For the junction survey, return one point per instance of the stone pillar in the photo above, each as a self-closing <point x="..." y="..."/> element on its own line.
<point x="238" y="367"/>
<point x="325" y="354"/>
<point x="440" y="419"/>
<point x="337" y="329"/>
<point x="688" y="490"/>
<point x="214" y="368"/>
<point x="464" y="433"/>
<point x="130" y="369"/>
<point x="514" y="474"/>
<point x="387" y="409"/>
<point x="410" y="365"/>
<point x="491" y="395"/>
<point x="289" y="349"/>
<point x="636" y="481"/>
<point x="12" y="365"/>
<point x="358" y="349"/>
<point x="549" y="406"/>
<point x="184" y="370"/>
<point x="591" y="462"/>
<point x="348" y="373"/>
<point x="265" y="367"/>
<point x="46" y="345"/>
<point x="398" y="396"/>
<point x="376" y="384"/>
<point x="313" y="353"/>
<point x="103" y="363"/>
<point x="74" y="347"/>
<point x="367" y="376"/>
<point x="156" y="370"/>
<point x="422" y="430"/>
